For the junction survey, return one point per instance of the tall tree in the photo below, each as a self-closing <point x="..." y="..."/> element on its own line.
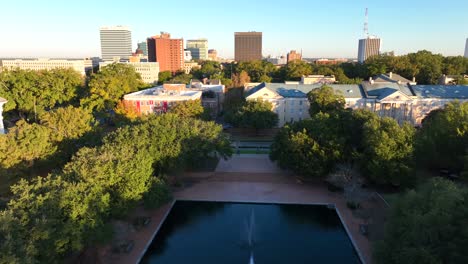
<point x="442" y="141"/>
<point x="388" y="151"/>
<point x="296" y="69"/>
<point x="325" y="100"/>
<point x="30" y="93"/>
<point x="255" y="114"/>
<point x="190" y="108"/>
<point x="110" y="84"/>
<point x="427" y="225"/>
<point x="67" y="122"/>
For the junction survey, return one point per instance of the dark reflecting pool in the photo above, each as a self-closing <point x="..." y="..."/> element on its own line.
<point x="219" y="232"/>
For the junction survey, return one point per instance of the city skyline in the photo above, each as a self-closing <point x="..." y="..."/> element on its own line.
<point x="324" y="30"/>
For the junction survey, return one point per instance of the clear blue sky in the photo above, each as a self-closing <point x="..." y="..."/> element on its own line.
<point x="70" y="28"/>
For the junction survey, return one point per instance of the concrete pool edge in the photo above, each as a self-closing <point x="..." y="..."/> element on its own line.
<point x="143" y="252"/>
<point x="343" y="223"/>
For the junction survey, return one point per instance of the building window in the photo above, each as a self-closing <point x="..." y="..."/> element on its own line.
<point x="300" y="102"/>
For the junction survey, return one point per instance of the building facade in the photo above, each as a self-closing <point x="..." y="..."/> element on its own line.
<point x="189" y="66"/>
<point x="198" y="48"/>
<point x="149" y="71"/>
<point x="329" y="61"/>
<point x="45" y="64"/>
<point x="403" y="102"/>
<point x="293" y="55"/>
<point x="368" y="47"/>
<point x="212" y="55"/>
<point x="2" y="102"/>
<point x="248" y="46"/>
<point x="466" y="48"/>
<point x="160" y="99"/>
<point x="143" y="46"/>
<point x="313" y="79"/>
<point x="168" y="52"/>
<point x="116" y="42"/>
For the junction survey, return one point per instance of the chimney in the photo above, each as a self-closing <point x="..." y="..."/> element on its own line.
<point x="390" y="74"/>
<point x="414" y="79"/>
<point x="371" y="81"/>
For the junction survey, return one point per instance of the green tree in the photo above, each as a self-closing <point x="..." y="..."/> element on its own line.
<point x="427" y="225"/>
<point x="325" y="100"/>
<point x="67" y="122"/>
<point x="181" y="77"/>
<point x="255" y="114"/>
<point x="442" y="141"/>
<point x="208" y="69"/>
<point x="24" y="145"/>
<point x="190" y="108"/>
<point x="164" y="76"/>
<point x="296" y="69"/>
<point x="388" y="151"/>
<point x="310" y="147"/>
<point x="257" y="70"/>
<point x="109" y="85"/>
<point x="30" y="93"/>
<point x="238" y="80"/>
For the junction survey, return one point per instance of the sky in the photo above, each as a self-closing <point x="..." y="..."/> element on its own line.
<point x="321" y="29"/>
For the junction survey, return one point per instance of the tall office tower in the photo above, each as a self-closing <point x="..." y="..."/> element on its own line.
<point x="368" y="47"/>
<point x="168" y="52"/>
<point x="198" y="48"/>
<point x="466" y="48"/>
<point x="293" y="55"/>
<point x="143" y="46"/>
<point x="116" y="42"/>
<point x="248" y="46"/>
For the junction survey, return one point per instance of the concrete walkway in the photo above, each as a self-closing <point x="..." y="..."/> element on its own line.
<point x="251" y="163"/>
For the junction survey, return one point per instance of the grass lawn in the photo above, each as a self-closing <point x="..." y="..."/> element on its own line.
<point x="251" y="151"/>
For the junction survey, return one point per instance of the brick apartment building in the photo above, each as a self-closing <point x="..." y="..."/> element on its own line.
<point x="168" y="52"/>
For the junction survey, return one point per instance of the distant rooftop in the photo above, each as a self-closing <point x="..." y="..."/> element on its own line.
<point x="159" y="91"/>
<point x="441" y="91"/>
<point x="391" y="77"/>
<point x="380" y="90"/>
<point x="301" y="90"/>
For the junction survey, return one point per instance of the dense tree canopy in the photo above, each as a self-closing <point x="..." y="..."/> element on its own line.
<point x="190" y="108"/>
<point x="107" y="87"/>
<point x="442" y="141"/>
<point x="164" y="76"/>
<point x="30" y="93"/>
<point x="255" y="114"/>
<point x="67" y="122"/>
<point x="325" y="100"/>
<point x="49" y="218"/>
<point x="427" y="225"/>
<point x="310" y="147"/>
<point x="24" y="145"/>
<point x="388" y="151"/>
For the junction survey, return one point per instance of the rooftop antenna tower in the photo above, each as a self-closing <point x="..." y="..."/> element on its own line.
<point x="366" y="25"/>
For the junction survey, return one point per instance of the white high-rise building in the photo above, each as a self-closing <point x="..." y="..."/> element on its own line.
<point x="368" y="47"/>
<point x="43" y="64"/>
<point x="116" y="42"/>
<point x="466" y="48"/>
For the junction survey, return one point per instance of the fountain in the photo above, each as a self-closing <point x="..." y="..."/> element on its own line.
<point x="250" y="225"/>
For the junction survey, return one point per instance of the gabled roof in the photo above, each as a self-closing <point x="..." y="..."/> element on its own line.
<point x="441" y="91"/>
<point x="390" y="77"/>
<point x="301" y="90"/>
<point x="376" y="90"/>
<point x="389" y="93"/>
